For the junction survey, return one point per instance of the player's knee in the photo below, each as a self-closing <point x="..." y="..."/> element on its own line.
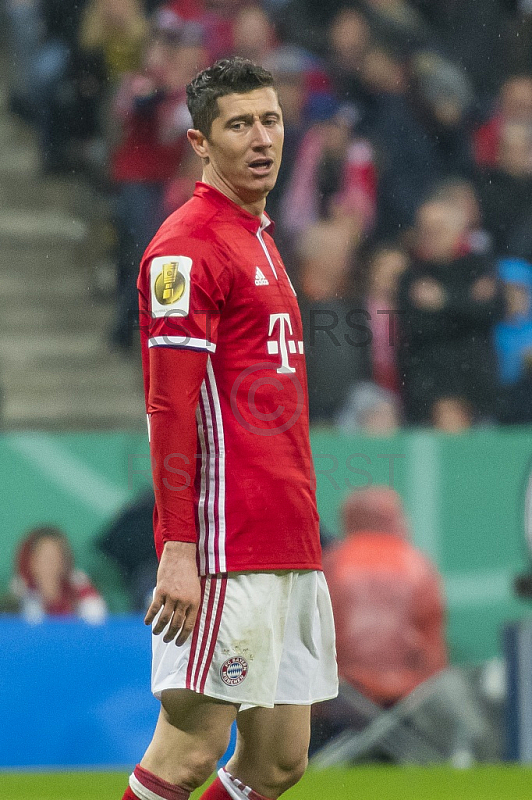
<point x="199" y="766"/>
<point x="286" y="773"/>
<point x="293" y="772"/>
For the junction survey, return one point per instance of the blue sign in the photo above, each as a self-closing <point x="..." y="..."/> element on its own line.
<point x="72" y="694"/>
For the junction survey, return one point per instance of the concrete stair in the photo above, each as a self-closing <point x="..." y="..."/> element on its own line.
<point x="56" y="369"/>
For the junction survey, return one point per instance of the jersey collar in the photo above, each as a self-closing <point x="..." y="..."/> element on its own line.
<point x="248" y="220"/>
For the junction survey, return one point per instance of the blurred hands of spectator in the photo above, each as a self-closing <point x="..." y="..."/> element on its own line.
<point x="517" y="301"/>
<point x="483" y="289"/>
<point x="386" y="265"/>
<point x="428" y="295"/>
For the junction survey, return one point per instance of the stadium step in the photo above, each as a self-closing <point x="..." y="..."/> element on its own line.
<point x="56" y="368"/>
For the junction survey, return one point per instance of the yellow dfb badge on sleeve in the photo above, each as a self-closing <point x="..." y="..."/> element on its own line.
<point x="170" y="286"/>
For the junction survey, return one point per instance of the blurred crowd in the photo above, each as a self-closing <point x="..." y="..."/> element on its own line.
<point x="403" y="208"/>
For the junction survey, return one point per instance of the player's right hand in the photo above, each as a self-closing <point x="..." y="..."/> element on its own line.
<point x="177" y="594"/>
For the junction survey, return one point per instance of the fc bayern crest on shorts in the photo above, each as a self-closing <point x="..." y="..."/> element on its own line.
<point x="234" y="670"/>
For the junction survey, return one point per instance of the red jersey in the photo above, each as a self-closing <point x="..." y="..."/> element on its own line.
<point x="213" y="281"/>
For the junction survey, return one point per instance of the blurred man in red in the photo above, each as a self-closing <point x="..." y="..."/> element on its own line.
<point x="387" y="600"/>
<point x="389" y="613"/>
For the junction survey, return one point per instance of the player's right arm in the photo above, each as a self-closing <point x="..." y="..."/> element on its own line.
<point x="181" y="297"/>
<point x="176" y="376"/>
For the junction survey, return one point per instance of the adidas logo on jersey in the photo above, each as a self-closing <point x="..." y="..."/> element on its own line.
<point x="260" y="278"/>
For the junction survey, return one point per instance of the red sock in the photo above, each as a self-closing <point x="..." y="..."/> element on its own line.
<point x="142" y="779"/>
<point x="217" y="790"/>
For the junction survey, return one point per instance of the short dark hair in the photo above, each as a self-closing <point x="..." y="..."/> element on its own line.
<point x="227" y="76"/>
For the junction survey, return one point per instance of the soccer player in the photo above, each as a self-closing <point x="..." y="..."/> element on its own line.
<point x="241" y="613"/>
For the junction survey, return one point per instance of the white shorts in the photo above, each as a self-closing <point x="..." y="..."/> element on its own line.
<point x="260" y="639"/>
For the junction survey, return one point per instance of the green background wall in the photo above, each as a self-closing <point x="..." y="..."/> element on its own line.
<point x="463" y="494"/>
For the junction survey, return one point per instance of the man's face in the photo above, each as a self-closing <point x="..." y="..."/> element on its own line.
<point x="245" y="145"/>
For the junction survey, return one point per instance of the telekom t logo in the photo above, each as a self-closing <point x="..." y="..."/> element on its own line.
<point x="283" y="345"/>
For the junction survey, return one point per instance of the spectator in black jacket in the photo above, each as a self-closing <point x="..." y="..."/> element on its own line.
<point x="450" y="301"/>
<point x="506" y="190"/>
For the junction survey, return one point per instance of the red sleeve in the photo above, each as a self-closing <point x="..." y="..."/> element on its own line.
<point x="181" y="297"/>
<point x="176" y="376"/>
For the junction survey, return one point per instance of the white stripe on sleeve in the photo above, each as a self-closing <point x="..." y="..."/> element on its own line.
<point x="182" y="341"/>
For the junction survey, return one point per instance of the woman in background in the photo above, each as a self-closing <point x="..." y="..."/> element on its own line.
<point x="46" y="582"/>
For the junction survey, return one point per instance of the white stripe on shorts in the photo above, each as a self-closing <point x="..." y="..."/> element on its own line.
<point x="206" y="633"/>
<point x="211" y="504"/>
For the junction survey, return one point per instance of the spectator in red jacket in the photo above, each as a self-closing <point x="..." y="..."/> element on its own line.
<point x="389" y="613"/>
<point x="387" y="600"/>
<point x="46" y="582"/>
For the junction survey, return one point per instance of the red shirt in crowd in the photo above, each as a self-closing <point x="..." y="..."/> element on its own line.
<point x="387" y="601"/>
<point x="151" y="148"/>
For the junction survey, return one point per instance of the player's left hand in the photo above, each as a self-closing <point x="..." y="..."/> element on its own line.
<point x="178" y="593"/>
